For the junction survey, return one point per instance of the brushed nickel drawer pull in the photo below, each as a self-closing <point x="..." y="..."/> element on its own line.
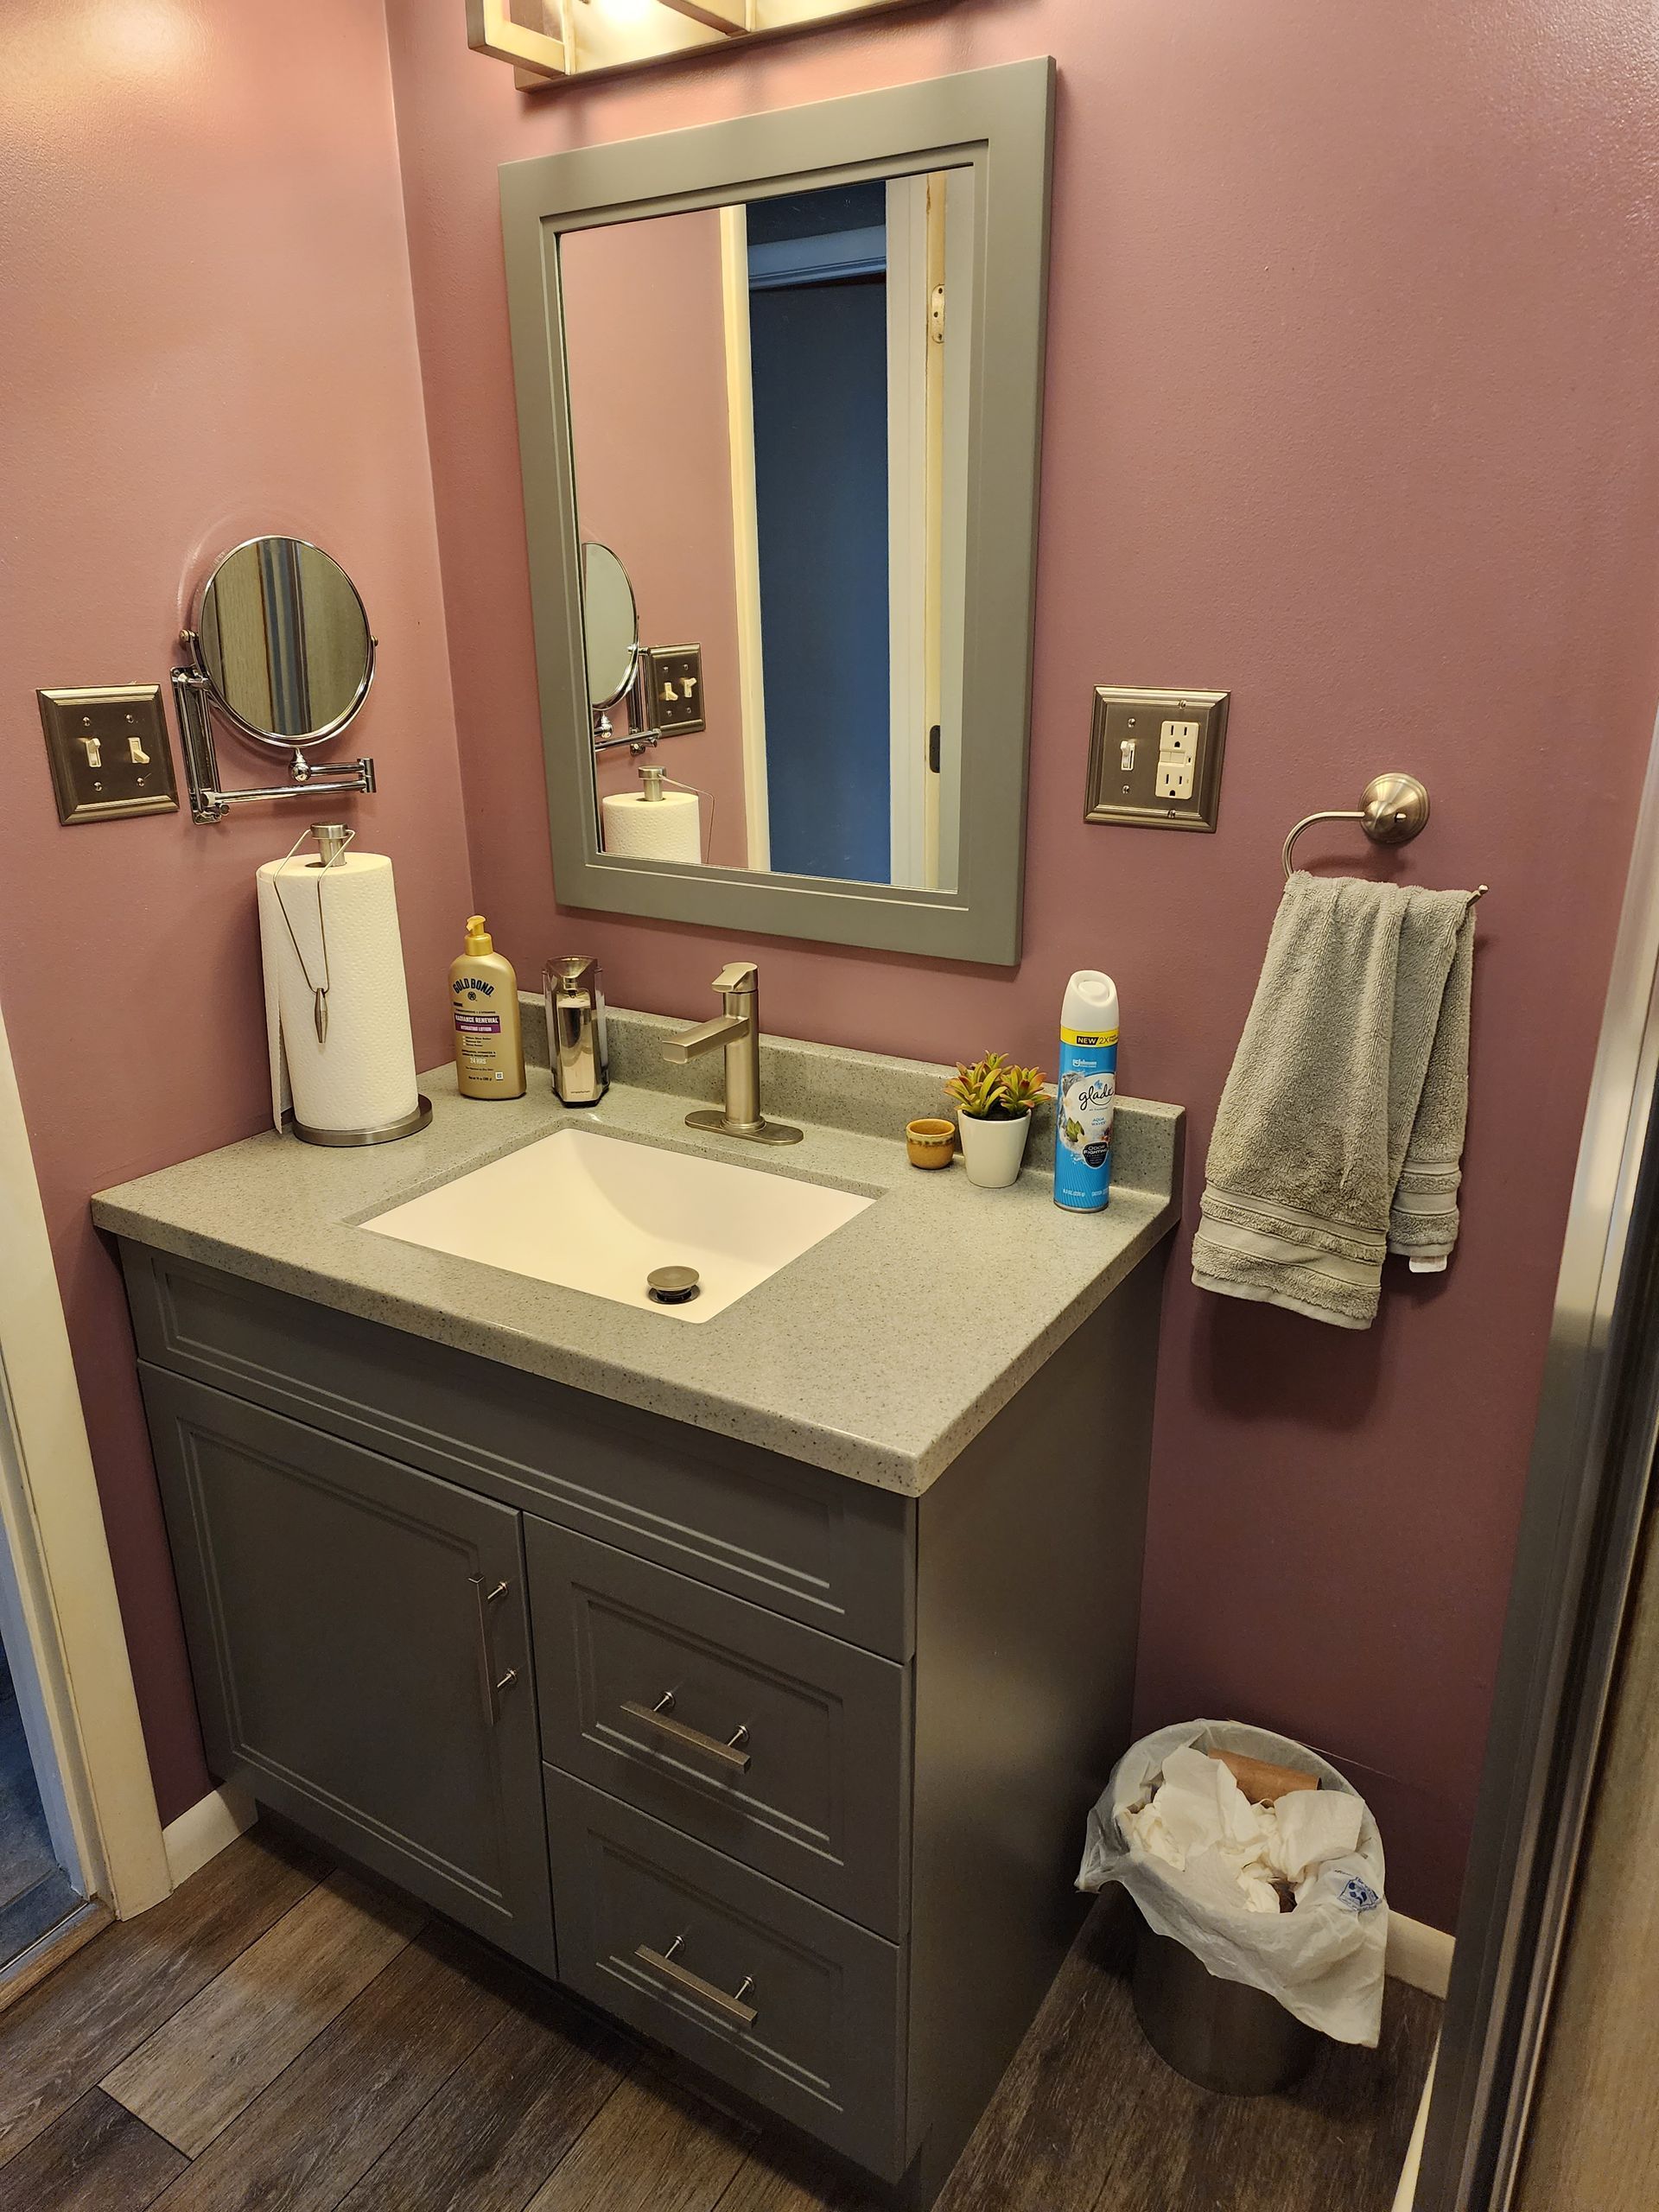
<point x="731" y="1753"/>
<point x="662" y="1962"/>
<point x="489" y="1688"/>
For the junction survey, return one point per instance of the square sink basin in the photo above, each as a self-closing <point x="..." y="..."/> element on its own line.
<point x="600" y="1214"/>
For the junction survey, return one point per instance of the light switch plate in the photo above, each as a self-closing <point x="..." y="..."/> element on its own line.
<point x="674" y="682"/>
<point x="1154" y="758"/>
<point x="109" y="750"/>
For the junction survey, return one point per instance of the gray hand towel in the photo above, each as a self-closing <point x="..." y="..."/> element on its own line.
<point x="1340" y="1131"/>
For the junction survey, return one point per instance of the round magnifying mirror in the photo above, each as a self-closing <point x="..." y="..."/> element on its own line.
<point x="610" y="625"/>
<point x="284" y="640"/>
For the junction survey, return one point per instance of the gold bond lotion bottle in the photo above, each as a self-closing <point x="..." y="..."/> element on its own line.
<point x="489" y="1036"/>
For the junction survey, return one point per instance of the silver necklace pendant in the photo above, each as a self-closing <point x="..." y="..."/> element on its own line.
<point x="321" y="1012"/>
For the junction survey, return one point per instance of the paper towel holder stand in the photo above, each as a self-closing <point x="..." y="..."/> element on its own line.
<point x="301" y="690"/>
<point x="332" y="839"/>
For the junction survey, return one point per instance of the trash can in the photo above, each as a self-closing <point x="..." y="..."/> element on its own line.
<point x="1264" y="1918"/>
<point x="1219" y="2034"/>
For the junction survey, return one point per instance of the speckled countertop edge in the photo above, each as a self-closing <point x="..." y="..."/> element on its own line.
<point x="958" y="1295"/>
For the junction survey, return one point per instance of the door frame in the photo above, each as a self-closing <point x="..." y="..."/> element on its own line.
<point x="746" y="531"/>
<point x="1588" y="1488"/>
<point x="52" y="1524"/>
<point x="909" y="530"/>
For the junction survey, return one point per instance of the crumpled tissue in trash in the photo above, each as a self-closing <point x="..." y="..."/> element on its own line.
<point x="1232" y="1853"/>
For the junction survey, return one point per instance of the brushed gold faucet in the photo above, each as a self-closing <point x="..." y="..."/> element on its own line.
<point x="737" y="1029"/>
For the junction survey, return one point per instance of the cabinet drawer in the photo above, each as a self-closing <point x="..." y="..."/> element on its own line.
<point x="815" y="1793"/>
<point x="797" y="1540"/>
<point x="815" y="2033"/>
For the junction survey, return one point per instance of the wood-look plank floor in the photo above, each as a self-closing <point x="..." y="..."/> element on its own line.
<point x="281" y="2034"/>
<point x="1089" y="2118"/>
<point x="199" y="2070"/>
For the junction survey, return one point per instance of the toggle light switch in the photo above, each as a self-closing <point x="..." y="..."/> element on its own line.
<point x="108" y="751"/>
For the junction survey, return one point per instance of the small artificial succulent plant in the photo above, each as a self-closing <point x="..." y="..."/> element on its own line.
<point x="1021" y="1089"/>
<point x="991" y="1090"/>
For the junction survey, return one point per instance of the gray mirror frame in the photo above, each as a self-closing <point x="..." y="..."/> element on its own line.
<point x="1000" y="124"/>
<point x="222" y="706"/>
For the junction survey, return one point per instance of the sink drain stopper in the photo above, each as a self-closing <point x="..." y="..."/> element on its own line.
<point x="673" y="1285"/>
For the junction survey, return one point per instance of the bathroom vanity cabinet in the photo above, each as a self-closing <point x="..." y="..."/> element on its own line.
<point x="785" y="1770"/>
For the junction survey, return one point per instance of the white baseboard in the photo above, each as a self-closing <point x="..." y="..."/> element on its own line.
<point x="202" y="1833"/>
<point x="1419" y="1955"/>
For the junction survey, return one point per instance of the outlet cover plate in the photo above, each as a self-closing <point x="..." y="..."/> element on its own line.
<point x="109" y="751"/>
<point x="1126" y="747"/>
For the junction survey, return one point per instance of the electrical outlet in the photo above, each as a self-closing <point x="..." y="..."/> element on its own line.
<point x="1178" y="749"/>
<point x="1155" y="759"/>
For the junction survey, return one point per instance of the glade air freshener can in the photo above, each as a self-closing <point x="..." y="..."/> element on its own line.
<point x="1088" y="1093"/>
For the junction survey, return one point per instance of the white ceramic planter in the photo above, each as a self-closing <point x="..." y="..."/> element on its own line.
<point x="992" y="1151"/>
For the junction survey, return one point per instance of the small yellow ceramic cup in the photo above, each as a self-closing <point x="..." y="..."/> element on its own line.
<point x="931" y="1144"/>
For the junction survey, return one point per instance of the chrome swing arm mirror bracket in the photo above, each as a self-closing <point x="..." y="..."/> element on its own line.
<point x="192" y="704"/>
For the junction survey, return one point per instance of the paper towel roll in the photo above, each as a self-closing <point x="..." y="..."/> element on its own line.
<point x="666" y="828"/>
<point x="360" y="1074"/>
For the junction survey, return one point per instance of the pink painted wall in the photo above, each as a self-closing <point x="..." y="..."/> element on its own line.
<point x="1350" y="409"/>
<point x="648" y="415"/>
<point x="208" y="333"/>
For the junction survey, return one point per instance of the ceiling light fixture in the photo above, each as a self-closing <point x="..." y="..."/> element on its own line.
<point x="549" y="42"/>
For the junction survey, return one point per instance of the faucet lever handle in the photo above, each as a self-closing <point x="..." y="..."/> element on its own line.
<point x="738" y="976"/>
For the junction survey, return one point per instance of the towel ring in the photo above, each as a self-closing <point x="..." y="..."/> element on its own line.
<point x="1392" y="810"/>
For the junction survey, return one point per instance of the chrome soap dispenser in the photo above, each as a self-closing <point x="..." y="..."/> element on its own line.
<point x="578" y="1048"/>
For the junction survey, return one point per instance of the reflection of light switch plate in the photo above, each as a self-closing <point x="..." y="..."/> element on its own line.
<point x="1155" y="759"/>
<point x="674" y="689"/>
<point x="108" y="751"/>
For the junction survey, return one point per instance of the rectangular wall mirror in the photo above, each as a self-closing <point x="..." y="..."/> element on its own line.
<point x="779" y="389"/>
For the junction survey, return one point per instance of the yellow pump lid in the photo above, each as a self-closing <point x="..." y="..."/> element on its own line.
<point x="479" y="940"/>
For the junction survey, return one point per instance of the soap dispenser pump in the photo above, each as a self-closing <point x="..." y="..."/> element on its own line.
<point x="489" y="1034"/>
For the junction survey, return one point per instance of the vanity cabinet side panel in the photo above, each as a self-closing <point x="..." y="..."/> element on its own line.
<point x="798" y="1540"/>
<point x="359" y="1637"/>
<point x="1029" y="1552"/>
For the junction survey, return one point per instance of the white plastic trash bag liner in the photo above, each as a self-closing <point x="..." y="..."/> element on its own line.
<point x="1324" y="1961"/>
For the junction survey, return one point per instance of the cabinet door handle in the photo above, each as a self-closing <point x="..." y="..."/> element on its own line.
<point x="659" y="1716"/>
<point x="731" y="2004"/>
<point x="489" y="1687"/>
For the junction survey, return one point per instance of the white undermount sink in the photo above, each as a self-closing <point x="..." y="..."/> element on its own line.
<point x="600" y="1214"/>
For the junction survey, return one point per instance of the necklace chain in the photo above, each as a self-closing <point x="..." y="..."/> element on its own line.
<point x="319" y="991"/>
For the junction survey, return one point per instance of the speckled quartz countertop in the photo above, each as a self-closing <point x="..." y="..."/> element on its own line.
<point x="879" y="1354"/>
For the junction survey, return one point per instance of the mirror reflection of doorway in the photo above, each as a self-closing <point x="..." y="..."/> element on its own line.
<point x="838" y="440"/>
<point x="818" y="346"/>
<point x="782" y="476"/>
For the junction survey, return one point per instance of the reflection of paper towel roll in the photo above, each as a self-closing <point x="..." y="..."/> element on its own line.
<point x="666" y="828"/>
<point x="359" y="1074"/>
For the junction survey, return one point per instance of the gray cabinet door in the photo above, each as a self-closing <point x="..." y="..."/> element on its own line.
<point x="348" y="1629"/>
